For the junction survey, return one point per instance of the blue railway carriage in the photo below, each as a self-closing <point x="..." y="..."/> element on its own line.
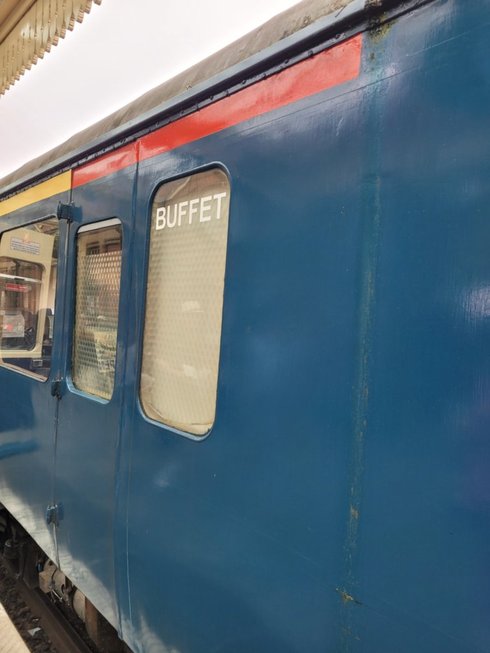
<point x="245" y="335"/>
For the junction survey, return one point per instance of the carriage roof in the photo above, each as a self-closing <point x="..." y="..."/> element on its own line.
<point x="238" y="61"/>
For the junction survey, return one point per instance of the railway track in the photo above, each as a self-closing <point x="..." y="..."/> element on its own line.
<point x="58" y="629"/>
<point x="31" y="611"/>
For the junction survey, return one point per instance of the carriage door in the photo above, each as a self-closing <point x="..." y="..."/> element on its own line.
<point x="30" y="339"/>
<point x="89" y="411"/>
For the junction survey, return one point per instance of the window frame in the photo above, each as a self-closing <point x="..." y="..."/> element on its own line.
<point x="161" y="181"/>
<point x="93" y="225"/>
<point x="26" y="224"/>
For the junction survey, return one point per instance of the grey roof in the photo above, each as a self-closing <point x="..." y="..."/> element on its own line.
<point x="301" y="18"/>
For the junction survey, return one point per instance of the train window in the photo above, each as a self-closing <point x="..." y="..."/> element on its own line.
<point x="28" y="267"/>
<point x="99" y="249"/>
<point x="184" y="301"/>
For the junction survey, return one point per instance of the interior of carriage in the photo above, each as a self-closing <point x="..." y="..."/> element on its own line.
<point x="28" y="270"/>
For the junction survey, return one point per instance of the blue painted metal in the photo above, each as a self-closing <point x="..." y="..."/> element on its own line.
<point x="88" y="427"/>
<point x="335" y="504"/>
<point x="421" y="560"/>
<point x="341" y="500"/>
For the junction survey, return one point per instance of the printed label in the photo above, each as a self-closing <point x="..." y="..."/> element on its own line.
<point x="29" y="247"/>
<point x="189" y="212"/>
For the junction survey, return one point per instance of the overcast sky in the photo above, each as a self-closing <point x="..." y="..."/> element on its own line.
<point x="122" y="49"/>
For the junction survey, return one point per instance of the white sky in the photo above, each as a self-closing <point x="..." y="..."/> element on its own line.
<point x="122" y="49"/>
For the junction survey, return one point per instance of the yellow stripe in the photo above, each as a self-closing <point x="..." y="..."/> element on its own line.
<point x="42" y="191"/>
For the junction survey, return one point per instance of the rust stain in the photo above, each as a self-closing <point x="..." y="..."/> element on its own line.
<point x="348" y="633"/>
<point x="344" y="596"/>
<point x="380" y="25"/>
<point x="379" y="32"/>
<point x="367" y="304"/>
<point x="347" y="598"/>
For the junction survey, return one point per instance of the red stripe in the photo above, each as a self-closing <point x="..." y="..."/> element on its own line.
<point x="325" y="70"/>
<point x="106" y="164"/>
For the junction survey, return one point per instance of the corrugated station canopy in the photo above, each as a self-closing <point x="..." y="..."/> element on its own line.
<point x="29" y="28"/>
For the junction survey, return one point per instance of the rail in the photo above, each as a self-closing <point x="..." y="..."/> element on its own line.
<point x="58" y="629"/>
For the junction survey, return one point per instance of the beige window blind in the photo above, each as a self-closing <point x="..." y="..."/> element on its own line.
<point x="184" y="301"/>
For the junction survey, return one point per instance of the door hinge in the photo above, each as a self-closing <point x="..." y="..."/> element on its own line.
<point x="56" y="388"/>
<point x="64" y="212"/>
<point x="54" y="514"/>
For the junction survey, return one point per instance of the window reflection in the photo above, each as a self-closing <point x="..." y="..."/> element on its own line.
<point x="28" y="270"/>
